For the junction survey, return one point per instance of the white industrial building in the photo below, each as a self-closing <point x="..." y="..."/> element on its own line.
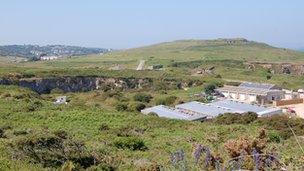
<point x="199" y="111"/>
<point x="253" y="92"/>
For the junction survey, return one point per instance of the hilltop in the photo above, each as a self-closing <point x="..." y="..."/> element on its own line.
<point x="219" y="49"/>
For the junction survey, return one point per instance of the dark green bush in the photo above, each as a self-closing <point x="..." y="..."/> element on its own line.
<point x="136" y="107"/>
<point x="53" y="151"/>
<point x="61" y="134"/>
<point x="104" y="127"/>
<point x="142" y="97"/>
<point x="281" y="124"/>
<point x="121" y="106"/>
<point x="2" y="131"/>
<point x="166" y="100"/>
<point x="20" y="132"/>
<point x="236" y="118"/>
<point x="274" y="137"/>
<point x="153" y="114"/>
<point x="131" y="143"/>
<point x="34" y="105"/>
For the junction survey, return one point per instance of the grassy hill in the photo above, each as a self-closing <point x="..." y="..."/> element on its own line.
<point x="181" y="50"/>
<point x="186" y="50"/>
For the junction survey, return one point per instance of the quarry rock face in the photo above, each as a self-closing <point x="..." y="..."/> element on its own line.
<point x="77" y="83"/>
<point x="279" y="68"/>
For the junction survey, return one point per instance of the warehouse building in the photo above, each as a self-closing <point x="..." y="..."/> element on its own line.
<point x="253" y="92"/>
<point x="174" y="113"/>
<point x="200" y="111"/>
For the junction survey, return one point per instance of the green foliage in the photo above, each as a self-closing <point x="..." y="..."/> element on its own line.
<point x="53" y="151"/>
<point x="281" y="124"/>
<point x="274" y="137"/>
<point x="142" y="97"/>
<point x="34" y="105"/>
<point x="57" y="91"/>
<point x="136" y="106"/>
<point x="121" y="106"/>
<point x="2" y="131"/>
<point x="169" y="100"/>
<point x="235" y="118"/>
<point x="104" y="127"/>
<point x="131" y="143"/>
<point x="209" y="88"/>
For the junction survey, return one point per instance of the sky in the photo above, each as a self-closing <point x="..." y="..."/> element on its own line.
<point x="122" y="24"/>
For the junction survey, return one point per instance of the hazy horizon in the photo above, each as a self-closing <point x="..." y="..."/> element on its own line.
<point x="121" y="25"/>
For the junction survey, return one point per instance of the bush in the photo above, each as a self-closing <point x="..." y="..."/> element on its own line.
<point x="274" y="137"/>
<point x="166" y="101"/>
<point x="104" y="127"/>
<point x="131" y="143"/>
<point x="209" y="88"/>
<point x="121" y="106"/>
<point x="153" y="114"/>
<point x="136" y="107"/>
<point x="34" y="105"/>
<point x="236" y="118"/>
<point x="20" y="132"/>
<point x="142" y="97"/>
<point x="2" y="131"/>
<point x="53" y="151"/>
<point x="281" y="124"/>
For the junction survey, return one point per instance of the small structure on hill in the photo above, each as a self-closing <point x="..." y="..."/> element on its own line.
<point x="141" y="65"/>
<point x="61" y="100"/>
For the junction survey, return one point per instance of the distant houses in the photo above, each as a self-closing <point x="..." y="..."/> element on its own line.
<point x="48" y="58"/>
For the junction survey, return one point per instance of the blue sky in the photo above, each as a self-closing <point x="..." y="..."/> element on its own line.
<point x="132" y="23"/>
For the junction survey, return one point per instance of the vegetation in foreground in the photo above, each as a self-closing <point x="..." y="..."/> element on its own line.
<point x="87" y="134"/>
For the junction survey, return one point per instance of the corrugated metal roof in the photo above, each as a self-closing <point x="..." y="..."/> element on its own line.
<point x="207" y="109"/>
<point x="225" y="106"/>
<point x="257" y="85"/>
<point x="174" y="113"/>
<point x="246" y="90"/>
<point x="240" y="106"/>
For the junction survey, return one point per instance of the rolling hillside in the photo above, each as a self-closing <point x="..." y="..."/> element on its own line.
<point x="189" y="50"/>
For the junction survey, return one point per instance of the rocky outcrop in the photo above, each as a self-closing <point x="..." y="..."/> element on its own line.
<point x="77" y="84"/>
<point x="279" y="68"/>
<point x="88" y="83"/>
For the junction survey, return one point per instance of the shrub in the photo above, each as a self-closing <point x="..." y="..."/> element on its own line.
<point x="121" y="106"/>
<point x="166" y="101"/>
<point x="53" y="151"/>
<point x="34" y="105"/>
<point x="236" y="118"/>
<point x="274" y="137"/>
<point x="20" y="132"/>
<point x="209" y="88"/>
<point x="142" y="97"/>
<point x="131" y="143"/>
<point x="281" y="124"/>
<point x="137" y="107"/>
<point x="61" y="134"/>
<point x="153" y="114"/>
<point x="104" y="127"/>
<point x="2" y="131"/>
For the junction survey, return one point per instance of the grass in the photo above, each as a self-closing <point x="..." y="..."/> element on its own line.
<point x="81" y="118"/>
